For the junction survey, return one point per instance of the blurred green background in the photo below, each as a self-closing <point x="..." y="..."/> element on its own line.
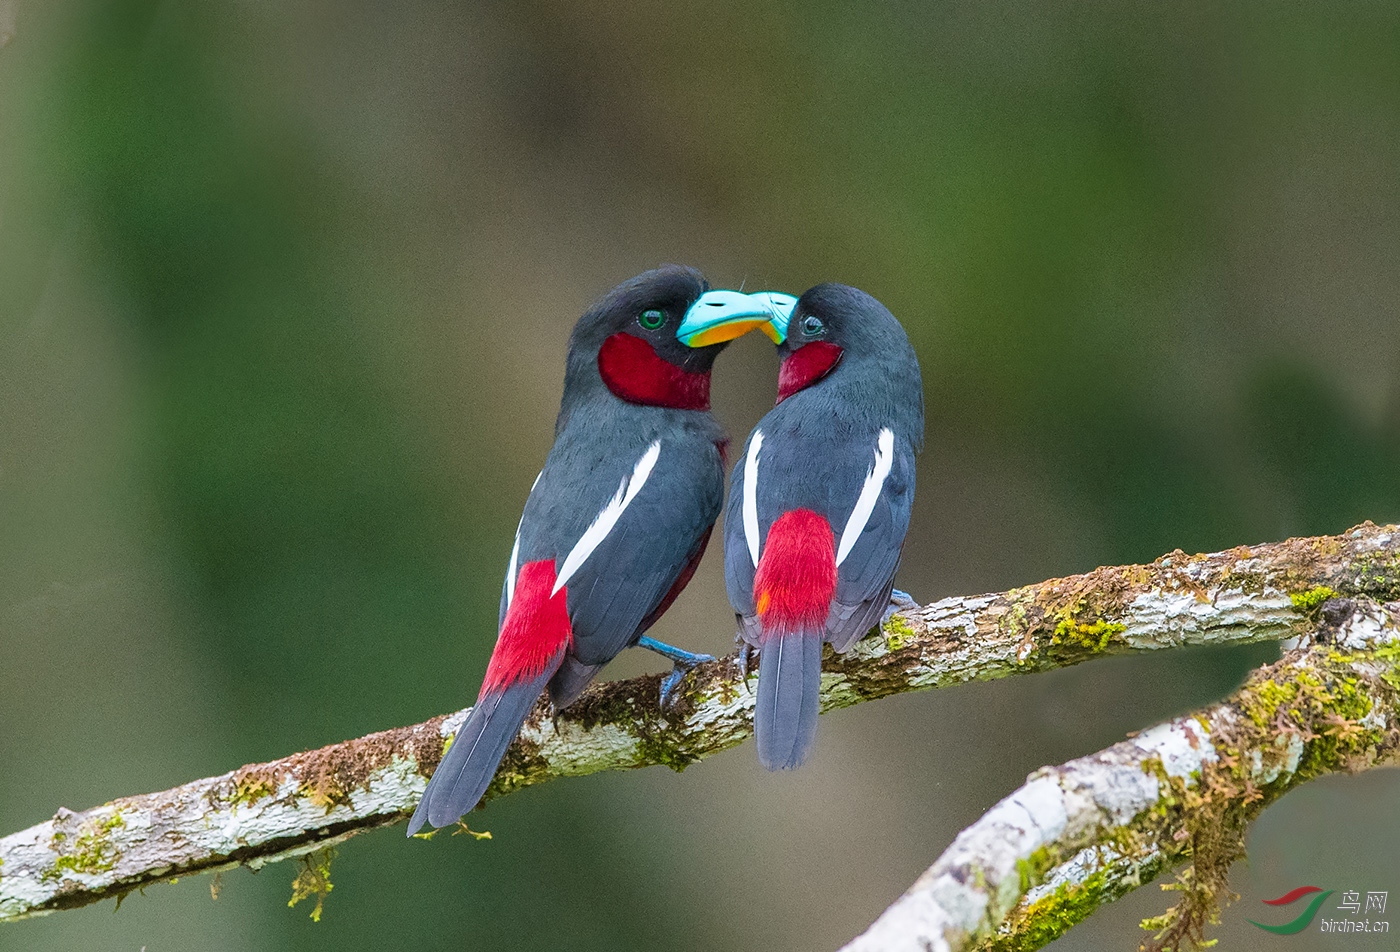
<point x="284" y="292"/>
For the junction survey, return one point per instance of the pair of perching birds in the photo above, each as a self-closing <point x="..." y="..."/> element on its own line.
<point x="618" y="519"/>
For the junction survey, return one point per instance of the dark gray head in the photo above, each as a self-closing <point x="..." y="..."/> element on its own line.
<point x="840" y="338"/>
<point x="627" y="343"/>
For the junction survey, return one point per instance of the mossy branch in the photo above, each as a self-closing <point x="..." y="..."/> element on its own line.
<point x="291" y="807"/>
<point x="1181" y="794"/>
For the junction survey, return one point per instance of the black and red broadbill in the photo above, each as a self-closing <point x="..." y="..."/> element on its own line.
<point x="618" y="518"/>
<point x="819" y="504"/>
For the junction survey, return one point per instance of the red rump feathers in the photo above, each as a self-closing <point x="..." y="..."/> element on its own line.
<point x="796" y="577"/>
<point x="535" y="632"/>
<point x="805" y="366"/>
<point x="633" y="371"/>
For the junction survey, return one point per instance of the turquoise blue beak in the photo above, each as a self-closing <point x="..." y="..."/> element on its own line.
<point x="780" y="305"/>
<point x="720" y="316"/>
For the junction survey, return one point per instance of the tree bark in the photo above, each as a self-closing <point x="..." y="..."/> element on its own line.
<point x="1089" y="831"/>
<point x="263" y="813"/>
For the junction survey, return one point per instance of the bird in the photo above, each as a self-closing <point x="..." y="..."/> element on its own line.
<point x="819" y="503"/>
<point x="617" y="520"/>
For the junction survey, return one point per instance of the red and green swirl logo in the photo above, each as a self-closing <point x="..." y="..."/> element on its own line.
<point x="1287" y="899"/>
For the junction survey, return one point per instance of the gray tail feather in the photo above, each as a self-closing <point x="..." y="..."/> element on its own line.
<point x="789" y="694"/>
<point x="470" y="763"/>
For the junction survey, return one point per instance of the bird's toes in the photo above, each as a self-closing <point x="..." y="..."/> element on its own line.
<point x="669" y="684"/>
<point x="900" y="602"/>
<point x="745" y="661"/>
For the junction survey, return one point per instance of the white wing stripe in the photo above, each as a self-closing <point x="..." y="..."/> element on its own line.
<point x="751" y="495"/>
<point x="598" y="531"/>
<point x="515" y="551"/>
<point x="514" y="565"/>
<point x="869" y="494"/>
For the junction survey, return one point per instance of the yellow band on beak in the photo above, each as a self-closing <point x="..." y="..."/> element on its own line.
<point x="729" y="331"/>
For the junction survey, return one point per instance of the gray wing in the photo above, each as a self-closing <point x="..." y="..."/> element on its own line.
<point x="866" y="577"/>
<point x="634" y="569"/>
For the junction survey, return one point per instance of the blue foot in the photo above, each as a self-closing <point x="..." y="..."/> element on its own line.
<point x="899" y="602"/>
<point x="681" y="660"/>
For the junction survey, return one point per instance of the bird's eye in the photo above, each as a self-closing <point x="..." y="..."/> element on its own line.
<point x="812" y="326"/>
<point x="652" y="318"/>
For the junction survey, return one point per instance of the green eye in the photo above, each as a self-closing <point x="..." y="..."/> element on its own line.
<point x="812" y="326"/>
<point x="652" y="318"/>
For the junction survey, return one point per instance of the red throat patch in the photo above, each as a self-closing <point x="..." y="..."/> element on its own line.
<point x="805" y="366"/>
<point x="633" y="371"/>
<point x="535" y="631"/>
<point x="796" y="577"/>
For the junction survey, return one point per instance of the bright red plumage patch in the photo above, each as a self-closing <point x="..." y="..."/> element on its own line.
<point x="796" y="577"/>
<point x="805" y="366"/>
<point x="633" y="371"/>
<point x="536" y="629"/>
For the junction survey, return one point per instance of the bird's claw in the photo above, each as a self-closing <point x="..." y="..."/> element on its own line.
<point x="669" y="683"/>
<point x="744" y="651"/>
<point x="679" y="670"/>
<point x="681" y="660"/>
<point x="899" y="602"/>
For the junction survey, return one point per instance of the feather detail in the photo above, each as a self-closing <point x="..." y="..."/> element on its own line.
<point x="869" y="494"/>
<point x="796" y="577"/>
<point x="515" y="551"/>
<point x="598" y="530"/>
<point x="751" y="495"/>
<point x="510" y="570"/>
<point x="795" y="582"/>
<point x="805" y="366"/>
<point x="535" y="633"/>
<point x="633" y="371"/>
